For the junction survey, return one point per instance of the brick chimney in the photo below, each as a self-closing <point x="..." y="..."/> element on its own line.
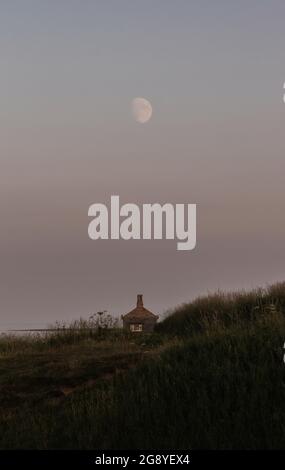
<point x="139" y="300"/>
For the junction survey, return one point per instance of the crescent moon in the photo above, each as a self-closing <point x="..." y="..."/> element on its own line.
<point x="142" y="110"/>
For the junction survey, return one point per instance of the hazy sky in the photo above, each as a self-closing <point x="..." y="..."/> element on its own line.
<point x="214" y="73"/>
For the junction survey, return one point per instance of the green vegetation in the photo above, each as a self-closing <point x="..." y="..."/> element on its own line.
<point x="211" y="376"/>
<point x="222" y="311"/>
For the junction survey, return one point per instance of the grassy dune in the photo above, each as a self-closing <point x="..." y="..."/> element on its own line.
<point x="211" y="376"/>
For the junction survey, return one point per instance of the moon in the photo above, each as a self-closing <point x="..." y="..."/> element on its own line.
<point x="142" y="110"/>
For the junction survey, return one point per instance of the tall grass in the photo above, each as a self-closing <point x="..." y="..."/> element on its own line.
<point x="62" y="333"/>
<point x="215" y="379"/>
<point x="217" y="391"/>
<point x="221" y="311"/>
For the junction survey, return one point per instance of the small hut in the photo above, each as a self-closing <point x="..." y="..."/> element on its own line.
<point x="139" y="319"/>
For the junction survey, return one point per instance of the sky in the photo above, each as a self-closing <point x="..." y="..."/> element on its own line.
<point x="214" y="73"/>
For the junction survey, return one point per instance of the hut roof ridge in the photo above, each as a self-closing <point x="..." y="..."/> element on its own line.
<point x="139" y="311"/>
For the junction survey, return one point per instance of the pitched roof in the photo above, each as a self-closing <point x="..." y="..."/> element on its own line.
<point x="140" y="312"/>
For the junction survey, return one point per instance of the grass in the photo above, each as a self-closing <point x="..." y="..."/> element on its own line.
<point x="221" y="311"/>
<point x="211" y="376"/>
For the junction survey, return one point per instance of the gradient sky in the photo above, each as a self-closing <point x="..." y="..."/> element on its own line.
<point x="214" y="73"/>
